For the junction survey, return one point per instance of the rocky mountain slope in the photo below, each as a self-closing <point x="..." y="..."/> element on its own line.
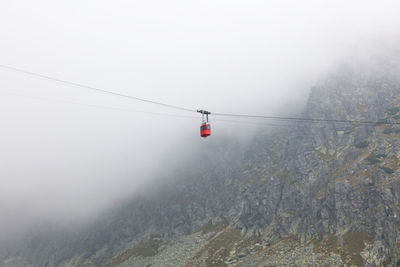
<point x="311" y="194"/>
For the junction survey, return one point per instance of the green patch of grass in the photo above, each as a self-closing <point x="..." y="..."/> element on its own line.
<point x="218" y="248"/>
<point x="393" y="111"/>
<point x="381" y="155"/>
<point x="391" y="131"/>
<point x="381" y="122"/>
<point x="372" y="160"/>
<point x="145" y="249"/>
<point x="248" y="242"/>
<point x="327" y="245"/>
<point x="353" y="244"/>
<point x="387" y="262"/>
<point x="362" y="144"/>
<point x="387" y="169"/>
<point x="210" y="227"/>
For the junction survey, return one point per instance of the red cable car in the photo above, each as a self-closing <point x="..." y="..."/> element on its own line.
<point x="205" y="128"/>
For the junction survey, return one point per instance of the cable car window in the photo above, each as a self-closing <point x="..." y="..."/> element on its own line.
<point x="208" y="127"/>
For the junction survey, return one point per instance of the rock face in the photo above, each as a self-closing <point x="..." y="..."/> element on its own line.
<point x="311" y="194"/>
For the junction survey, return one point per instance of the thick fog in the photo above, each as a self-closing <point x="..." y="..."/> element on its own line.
<point x="65" y="162"/>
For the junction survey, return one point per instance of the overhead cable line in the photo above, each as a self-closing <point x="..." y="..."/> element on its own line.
<point x="132" y="110"/>
<point x="314" y="120"/>
<point x="95" y="88"/>
<point x="279" y="118"/>
<point x="94" y="106"/>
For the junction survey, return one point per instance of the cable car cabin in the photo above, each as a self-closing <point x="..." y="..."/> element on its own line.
<point x="205" y="129"/>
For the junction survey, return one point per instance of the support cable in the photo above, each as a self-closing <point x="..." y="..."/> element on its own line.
<point x="277" y="118"/>
<point x="94" y="88"/>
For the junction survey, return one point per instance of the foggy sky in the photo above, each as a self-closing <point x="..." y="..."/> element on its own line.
<point x="64" y="162"/>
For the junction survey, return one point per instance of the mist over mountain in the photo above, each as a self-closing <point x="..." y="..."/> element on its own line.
<point x="309" y="193"/>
